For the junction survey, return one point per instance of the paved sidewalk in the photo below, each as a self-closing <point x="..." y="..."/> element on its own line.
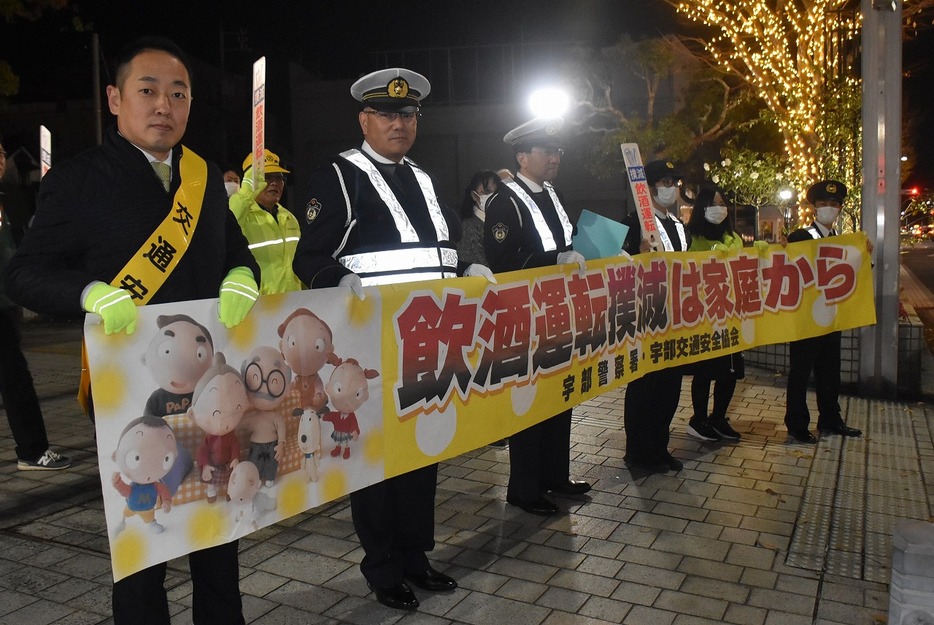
<point x="756" y="533"/>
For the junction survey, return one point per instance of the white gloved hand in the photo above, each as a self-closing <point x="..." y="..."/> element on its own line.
<point x="352" y="281"/>
<point x="571" y="257"/>
<point x="477" y="270"/>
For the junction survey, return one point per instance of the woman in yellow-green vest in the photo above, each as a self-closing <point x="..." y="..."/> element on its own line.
<point x="271" y="229"/>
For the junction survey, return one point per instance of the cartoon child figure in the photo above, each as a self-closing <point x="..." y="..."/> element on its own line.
<point x="309" y="441"/>
<point x="218" y="404"/>
<point x="177" y="357"/>
<point x="347" y="389"/>
<point x="307" y="344"/>
<point x="267" y="377"/>
<point x="145" y="453"/>
<point x="243" y="491"/>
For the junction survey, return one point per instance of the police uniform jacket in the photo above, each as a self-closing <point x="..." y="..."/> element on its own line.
<point x="345" y="215"/>
<point x="511" y="240"/>
<point x="672" y="225"/>
<point x="272" y="241"/>
<point x="94" y="213"/>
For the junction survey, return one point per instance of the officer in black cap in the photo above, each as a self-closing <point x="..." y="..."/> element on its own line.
<point x="652" y="400"/>
<point x="375" y="217"/>
<point x="820" y="353"/>
<point x="527" y="226"/>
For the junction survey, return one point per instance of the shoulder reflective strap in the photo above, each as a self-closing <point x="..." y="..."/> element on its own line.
<point x="544" y="232"/>
<point x="406" y="231"/>
<point x="684" y="240"/>
<point x="149" y="268"/>
<point x="562" y="215"/>
<point x="434" y="209"/>
<point x="663" y="235"/>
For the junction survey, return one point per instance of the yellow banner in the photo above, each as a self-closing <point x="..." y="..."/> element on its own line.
<point x="343" y="393"/>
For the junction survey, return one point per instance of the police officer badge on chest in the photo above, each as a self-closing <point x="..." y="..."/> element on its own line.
<point x="312" y="209"/>
<point x="500" y="231"/>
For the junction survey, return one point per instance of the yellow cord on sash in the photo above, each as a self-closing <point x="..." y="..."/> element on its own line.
<point x="149" y="268"/>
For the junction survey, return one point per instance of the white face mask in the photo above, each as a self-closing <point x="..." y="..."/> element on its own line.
<point x="715" y="214"/>
<point x="666" y="196"/>
<point x="481" y="200"/>
<point x="232" y="187"/>
<point x="826" y="215"/>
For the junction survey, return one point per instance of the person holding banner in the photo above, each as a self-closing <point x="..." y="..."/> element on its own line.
<point x="142" y="219"/>
<point x="711" y="228"/>
<point x="651" y="401"/>
<point x="375" y="217"/>
<point x="820" y="353"/>
<point x="271" y="230"/>
<point x="526" y="226"/>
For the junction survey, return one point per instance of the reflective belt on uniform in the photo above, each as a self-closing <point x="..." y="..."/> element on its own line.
<point x="407" y="232"/>
<point x="663" y="235"/>
<point x="538" y="220"/>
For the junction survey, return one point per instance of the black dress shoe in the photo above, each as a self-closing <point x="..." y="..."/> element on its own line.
<point x="432" y="580"/>
<point x="541" y="507"/>
<point x="840" y="428"/>
<point x="802" y="436"/>
<point x="571" y="487"/>
<point x="399" y="597"/>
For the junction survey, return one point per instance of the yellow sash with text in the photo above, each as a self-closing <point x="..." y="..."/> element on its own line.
<point x="149" y="268"/>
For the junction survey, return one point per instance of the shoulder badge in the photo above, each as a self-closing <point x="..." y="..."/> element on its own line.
<point x="312" y="209"/>
<point x="500" y="231"/>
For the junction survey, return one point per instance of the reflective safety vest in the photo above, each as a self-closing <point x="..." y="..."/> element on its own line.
<point x="663" y="234"/>
<point x="414" y="260"/>
<point x="273" y="240"/>
<point x="538" y="220"/>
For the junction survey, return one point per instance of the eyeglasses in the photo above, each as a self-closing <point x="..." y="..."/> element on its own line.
<point x="549" y="152"/>
<point x="276" y="177"/>
<point x="407" y="118"/>
<point x="275" y="381"/>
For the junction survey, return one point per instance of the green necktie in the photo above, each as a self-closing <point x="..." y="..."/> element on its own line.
<point x="164" y="172"/>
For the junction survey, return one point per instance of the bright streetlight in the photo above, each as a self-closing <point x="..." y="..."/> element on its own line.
<point x="549" y="102"/>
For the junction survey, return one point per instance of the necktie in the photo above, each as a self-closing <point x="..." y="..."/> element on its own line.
<point x="164" y="172"/>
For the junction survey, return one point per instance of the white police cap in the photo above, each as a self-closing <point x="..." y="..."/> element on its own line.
<point x="392" y="89"/>
<point x="542" y="132"/>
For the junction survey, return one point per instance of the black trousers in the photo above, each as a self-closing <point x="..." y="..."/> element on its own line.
<point x="651" y="402"/>
<point x="539" y="458"/>
<point x="821" y="355"/>
<point x="395" y="522"/>
<point x="140" y="599"/>
<point x="18" y="392"/>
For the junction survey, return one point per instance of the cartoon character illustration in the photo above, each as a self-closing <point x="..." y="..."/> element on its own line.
<point x="243" y="491"/>
<point x="348" y="390"/>
<point x="307" y="344"/>
<point x="267" y="377"/>
<point x="309" y="441"/>
<point x="178" y="355"/>
<point x="145" y="453"/>
<point x="217" y="406"/>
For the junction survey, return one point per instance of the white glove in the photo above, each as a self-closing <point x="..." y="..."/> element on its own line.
<point x="353" y="281"/>
<point x="476" y="270"/>
<point x="571" y="257"/>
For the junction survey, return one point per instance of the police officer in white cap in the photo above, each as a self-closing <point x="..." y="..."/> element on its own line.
<point x="526" y="226"/>
<point x="374" y="217"/>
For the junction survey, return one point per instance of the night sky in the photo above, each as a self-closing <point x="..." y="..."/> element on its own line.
<point x="334" y="39"/>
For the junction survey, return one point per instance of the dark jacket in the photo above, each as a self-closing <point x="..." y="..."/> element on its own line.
<point x="510" y="239"/>
<point x="96" y="210"/>
<point x="326" y="216"/>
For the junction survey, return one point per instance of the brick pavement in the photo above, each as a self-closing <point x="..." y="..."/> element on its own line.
<point x="756" y="533"/>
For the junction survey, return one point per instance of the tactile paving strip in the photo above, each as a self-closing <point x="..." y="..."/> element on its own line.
<point x="857" y="490"/>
